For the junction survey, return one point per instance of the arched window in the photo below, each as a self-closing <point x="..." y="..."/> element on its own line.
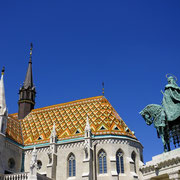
<point x="71" y="165"/>
<point x="119" y="162"/>
<point x="133" y="157"/>
<point x="102" y="162"/>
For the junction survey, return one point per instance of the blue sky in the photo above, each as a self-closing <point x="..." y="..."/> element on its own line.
<point x="130" y="45"/>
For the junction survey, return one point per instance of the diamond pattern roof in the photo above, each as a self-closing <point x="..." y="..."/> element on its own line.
<point x="70" y="121"/>
<point x="13" y="130"/>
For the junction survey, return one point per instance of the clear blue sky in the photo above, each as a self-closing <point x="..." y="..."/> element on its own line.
<point x="130" y="45"/>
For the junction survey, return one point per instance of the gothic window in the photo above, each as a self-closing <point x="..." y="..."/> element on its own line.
<point x="102" y="162"/>
<point x="119" y="162"/>
<point x="133" y="157"/>
<point x="71" y="165"/>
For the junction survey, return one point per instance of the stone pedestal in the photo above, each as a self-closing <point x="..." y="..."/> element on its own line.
<point x="165" y="166"/>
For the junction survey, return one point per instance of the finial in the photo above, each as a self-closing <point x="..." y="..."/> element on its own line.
<point x="3" y="69"/>
<point x="53" y="132"/>
<point x="31" y="51"/>
<point x="103" y="88"/>
<point x="87" y="124"/>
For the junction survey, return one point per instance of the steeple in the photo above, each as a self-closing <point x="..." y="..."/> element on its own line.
<point x="3" y="109"/>
<point x="29" y="79"/>
<point x="27" y="92"/>
<point x="2" y="94"/>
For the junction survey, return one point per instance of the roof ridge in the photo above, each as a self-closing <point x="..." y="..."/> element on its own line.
<point x="66" y="103"/>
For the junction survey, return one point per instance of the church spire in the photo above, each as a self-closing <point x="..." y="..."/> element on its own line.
<point x="29" y="79"/>
<point x="27" y="92"/>
<point x="3" y="109"/>
<point x="2" y="94"/>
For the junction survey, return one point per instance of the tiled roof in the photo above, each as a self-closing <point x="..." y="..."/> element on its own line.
<point x="13" y="130"/>
<point x="70" y="121"/>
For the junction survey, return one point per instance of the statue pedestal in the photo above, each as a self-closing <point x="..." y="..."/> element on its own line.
<point x="164" y="166"/>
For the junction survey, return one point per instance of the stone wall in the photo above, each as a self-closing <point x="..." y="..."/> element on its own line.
<point x="109" y="144"/>
<point x="164" y="166"/>
<point x="10" y="156"/>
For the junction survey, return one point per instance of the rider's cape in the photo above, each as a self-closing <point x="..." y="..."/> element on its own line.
<point x="171" y="102"/>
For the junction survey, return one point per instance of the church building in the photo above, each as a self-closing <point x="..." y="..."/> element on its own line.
<point x="84" y="139"/>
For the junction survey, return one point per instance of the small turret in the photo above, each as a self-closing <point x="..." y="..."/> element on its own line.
<point x="3" y="108"/>
<point x="27" y="92"/>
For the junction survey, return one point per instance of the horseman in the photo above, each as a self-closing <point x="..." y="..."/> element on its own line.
<point x="171" y="99"/>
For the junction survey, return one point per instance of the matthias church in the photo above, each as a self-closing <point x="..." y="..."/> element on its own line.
<point x="84" y="139"/>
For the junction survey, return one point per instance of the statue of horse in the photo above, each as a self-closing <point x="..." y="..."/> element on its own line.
<point x="154" y="113"/>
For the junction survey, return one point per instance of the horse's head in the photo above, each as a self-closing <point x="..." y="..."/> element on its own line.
<point x="147" y="116"/>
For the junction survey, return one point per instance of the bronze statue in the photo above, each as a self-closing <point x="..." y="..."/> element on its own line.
<point x="166" y="118"/>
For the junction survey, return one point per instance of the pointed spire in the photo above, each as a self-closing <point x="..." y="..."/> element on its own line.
<point x="29" y="79"/>
<point x="2" y="94"/>
<point x="87" y="128"/>
<point x="27" y="92"/>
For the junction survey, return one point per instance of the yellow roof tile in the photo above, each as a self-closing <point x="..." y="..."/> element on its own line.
<point x="68" y="117"/>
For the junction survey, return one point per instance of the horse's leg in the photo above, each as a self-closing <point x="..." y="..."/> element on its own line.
<point x="167" y="139"/>
<point x="162" y="135"/>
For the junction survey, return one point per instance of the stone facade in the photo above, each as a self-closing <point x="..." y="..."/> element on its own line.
<point x="110" y="145"/>
<point x="84" y="140"/>
<point x="10" y="156"/>
<point x="165" y="166"/>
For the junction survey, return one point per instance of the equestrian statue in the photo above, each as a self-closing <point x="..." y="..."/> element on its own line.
<point x="166" y="117"/>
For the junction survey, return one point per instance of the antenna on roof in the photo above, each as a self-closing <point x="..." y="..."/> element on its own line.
<point x="103" y="88"/>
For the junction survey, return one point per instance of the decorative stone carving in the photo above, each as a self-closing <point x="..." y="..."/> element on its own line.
<point x="163" y="164"/>
<point x="33" y="165"/>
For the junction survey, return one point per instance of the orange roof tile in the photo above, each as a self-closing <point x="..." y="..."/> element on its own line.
<point x="70" y="120"/>
<point x="13" y="130"/>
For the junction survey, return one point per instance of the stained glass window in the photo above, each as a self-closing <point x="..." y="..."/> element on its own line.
<point x="119" y="162"/>
<point x="72" y="165"/>
<point x="102" y="162"/>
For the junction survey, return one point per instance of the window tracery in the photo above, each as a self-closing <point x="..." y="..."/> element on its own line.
<point x="102" y="162"/>
<point x="71" y="165"/>
<point x="119" y="162"/>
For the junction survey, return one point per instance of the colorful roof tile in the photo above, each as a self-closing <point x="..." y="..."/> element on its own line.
<point x="70" y="121"/>
<point x="13" y="130"/>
